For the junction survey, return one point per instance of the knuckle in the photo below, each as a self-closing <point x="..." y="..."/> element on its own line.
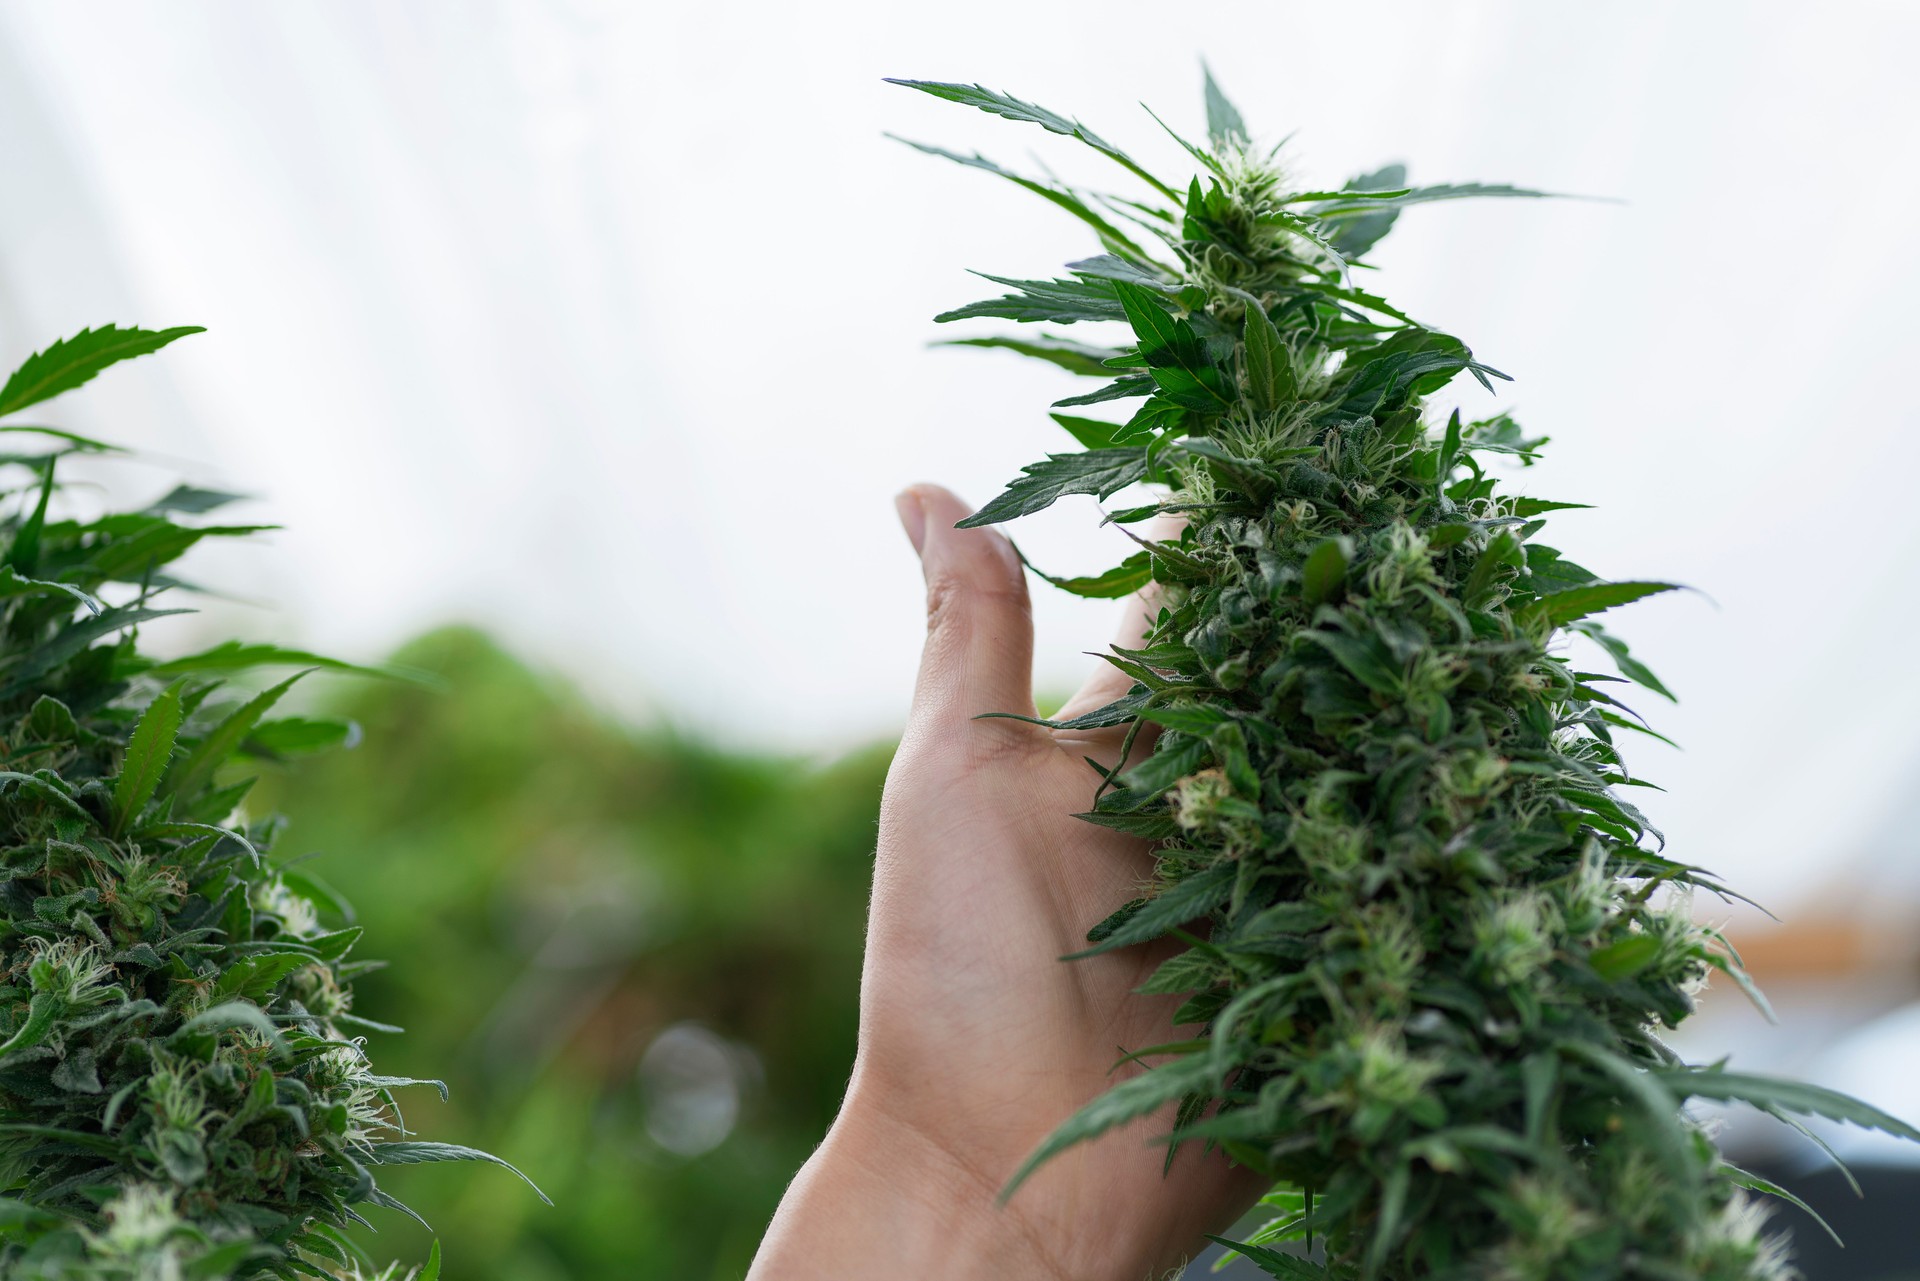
<point x="953" y="598"/>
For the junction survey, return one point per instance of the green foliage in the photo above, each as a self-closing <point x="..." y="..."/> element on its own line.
<point x="73" y="361"/>
<point x="557" y="891"/>
<point x="1438" y="941"/>
<point x="183" y="1092"/>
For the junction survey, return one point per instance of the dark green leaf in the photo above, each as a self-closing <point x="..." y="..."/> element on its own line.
<point x="1011" y="108"/>
<point x="1353" y="235"/>
<point x="1344" y="206"/>
<point x="1324" y="572"/>
<point x="203" y="1029"/>
<point x="1088" y="431"/>
<point x="1061" y="301"/>
<point x="1270" y="380"/>
<point x="1171" y="908"/>
<point x="72" y="361"/>
<point x="1100" y="472"/>
<point x="23" y="557"/>
<point x="1284" y="1266"/>
<point x="235" y="656"/>
<point x="1539" y="506"/>
<point x="1789" y="1096"/>
<point x="149" y="752"/>
<point x="1561" y="608"/>
<point x="1755" y="1183"/>
<point x="220" y="743"/>
<point x="70" y="640"/>
<point x="1135" y="1097"/>
<point x="11" y="584"/>
<point x="1119" y="389"/>
<point x="1124" y="579"/>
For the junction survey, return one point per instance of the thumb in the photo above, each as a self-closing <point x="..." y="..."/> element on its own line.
<point x="979" y="650"/>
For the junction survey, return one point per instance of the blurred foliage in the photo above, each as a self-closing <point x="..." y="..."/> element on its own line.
<point x="555" y="892"/>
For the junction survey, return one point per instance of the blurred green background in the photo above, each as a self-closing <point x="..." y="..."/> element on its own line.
<point x="633" y="958"/>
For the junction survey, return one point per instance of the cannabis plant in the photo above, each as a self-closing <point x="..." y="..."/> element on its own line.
<point x="1428" y="940"/>
<point x="184" y="1087"/>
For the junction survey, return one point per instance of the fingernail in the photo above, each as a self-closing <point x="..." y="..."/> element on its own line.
<point x="913" y="518"/>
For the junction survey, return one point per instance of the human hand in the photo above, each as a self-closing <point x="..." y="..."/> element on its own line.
<point x="976" y="1042"/>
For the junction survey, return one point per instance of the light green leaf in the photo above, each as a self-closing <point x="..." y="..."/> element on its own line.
<point x="234" y="656"/>
<point x="414" y="1153"/>
<point x="1223" y="118"/>
<point x="299" y="736"/>
<point x="1625" y="958"/>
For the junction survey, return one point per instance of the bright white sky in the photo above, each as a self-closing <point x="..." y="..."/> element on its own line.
<point x="603" y="324"/>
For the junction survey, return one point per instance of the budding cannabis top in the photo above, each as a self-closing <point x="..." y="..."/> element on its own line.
<point x="1429" y="940"/>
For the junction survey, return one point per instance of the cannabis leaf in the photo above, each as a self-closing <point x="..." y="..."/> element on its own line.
<point x="1563" y="607"/>
<point x="148" y="753"/>
<point x="1130" y="1099"/>
<point x="72" y="361"/>
<point x="1075" y="358"/>
<point x="1100" y="472"/>
<point x="1013" y="109"/>
<point x="1770" y="1093"/>
<point x="1224" y="124"/>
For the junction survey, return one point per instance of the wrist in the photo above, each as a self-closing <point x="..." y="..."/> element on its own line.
<point x="879" y="1199"/>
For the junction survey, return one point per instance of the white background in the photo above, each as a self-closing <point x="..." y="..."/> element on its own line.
<point x="604" y="325"/>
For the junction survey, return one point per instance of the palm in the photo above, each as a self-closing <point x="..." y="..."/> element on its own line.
<point x="971" y="1026"/>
